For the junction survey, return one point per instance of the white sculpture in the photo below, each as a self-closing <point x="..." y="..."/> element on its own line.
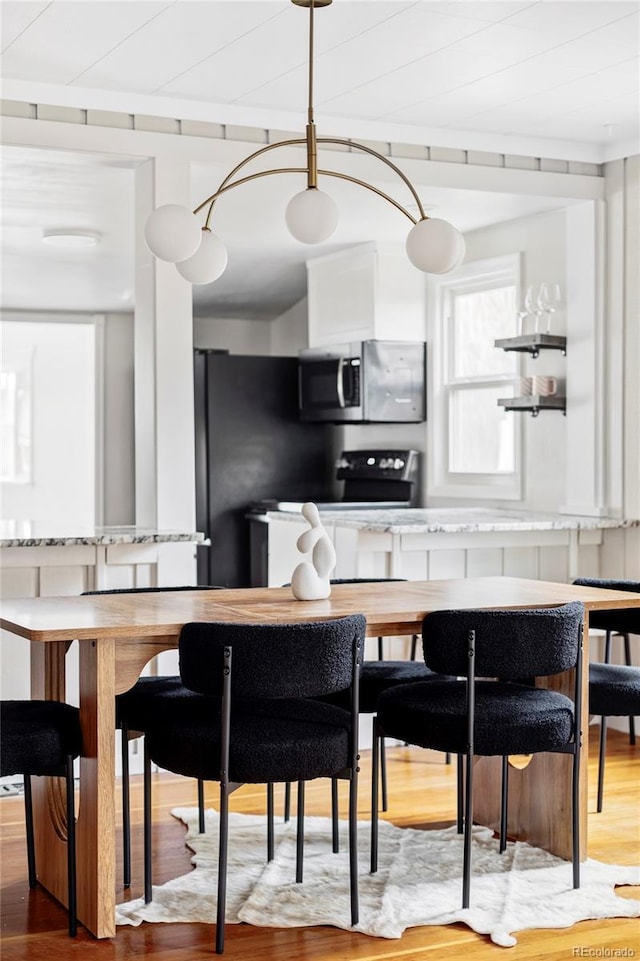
<point x="310" y="581"/>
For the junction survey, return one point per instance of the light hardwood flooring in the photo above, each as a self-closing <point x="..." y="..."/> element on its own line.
<point x="421" y="794"/>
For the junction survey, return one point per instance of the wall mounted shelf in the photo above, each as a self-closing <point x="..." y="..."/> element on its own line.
<point x="534" y="403"/>
<point x="533" y="343"/>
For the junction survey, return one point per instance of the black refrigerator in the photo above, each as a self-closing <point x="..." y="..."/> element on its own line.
<point x="250" y="447"/>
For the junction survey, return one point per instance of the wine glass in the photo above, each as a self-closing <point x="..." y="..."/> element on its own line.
<point x="521" y="315"/>
<point x="553" y="300"/>
<point x="542" y="303"/>
<point x="530" y="306"/>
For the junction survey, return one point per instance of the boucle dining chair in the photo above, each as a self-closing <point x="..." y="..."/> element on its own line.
<point x="615" y="622"/>
<point x="268" y="725"/>
<point x="43" y="738"/>
<point x="502" y="716"/>
<point x="149" y="698"/>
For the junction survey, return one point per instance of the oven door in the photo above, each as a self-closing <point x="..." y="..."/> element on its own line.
<point x="330" y="389"/>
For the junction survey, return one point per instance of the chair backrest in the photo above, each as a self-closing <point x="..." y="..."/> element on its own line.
<point x="617" y="619"/>
<point x="273" y="660"/>
<point x="508" y="644"/>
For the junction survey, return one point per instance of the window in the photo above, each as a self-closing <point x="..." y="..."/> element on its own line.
<point x="475" y="443"/>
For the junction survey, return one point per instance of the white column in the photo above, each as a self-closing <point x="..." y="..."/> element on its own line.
<point x="585" y="450"/>
<point x="163" y="351"/>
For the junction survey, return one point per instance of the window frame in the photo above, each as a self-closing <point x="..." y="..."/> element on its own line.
<point x="475" y="276"/>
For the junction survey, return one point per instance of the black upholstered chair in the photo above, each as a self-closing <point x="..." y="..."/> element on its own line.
<point x="148" y="699"/>
<point x="269" y="725"/>
<point x="491" y="717"/>
<point x="615" y="622"/>
<point x="43" y="738"/>
<point x="614" y="691"/>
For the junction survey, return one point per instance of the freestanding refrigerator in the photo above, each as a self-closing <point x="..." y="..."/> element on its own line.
<point x="250" y="446"/>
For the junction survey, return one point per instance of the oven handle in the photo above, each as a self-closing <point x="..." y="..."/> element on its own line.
<point x="340" y="382"/>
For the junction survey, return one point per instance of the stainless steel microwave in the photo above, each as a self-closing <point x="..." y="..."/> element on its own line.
<point x="371" y="381"/>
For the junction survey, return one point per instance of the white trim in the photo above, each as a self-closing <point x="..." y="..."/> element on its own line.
<point x="351" y="128"/>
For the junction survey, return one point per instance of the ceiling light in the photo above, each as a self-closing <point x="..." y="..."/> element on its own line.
<point x="172" y="233"/>
<point x="71" y="238"/>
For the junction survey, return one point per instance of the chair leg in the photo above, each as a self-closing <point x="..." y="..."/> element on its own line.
<point x="201" y="827"/>
<point x="126" y="807"/>
<point x="270" y="830"/>
<point x="222" y="868"/>
<point x="380" y="650"/>
<point x="504" y="793"/>
<point x="601" y="760"/>
<point x="375" y="755"/>
<point x="71" y="851"/>
<point x="147" y="826"/>
<point x="28" y="819"/>
<point x="414" y="646"/>
<point x="447" y="758"/>
<point x="300" y="833"/>
<point x="460" y="794"/>
<point x="575" y="815"/>
<point x="335" y="832"/>
<point x="353" y="846"/>
<point x="383" y="774"/>
<point x="287" y="801"/>
<point x="468" y="828"/>
<point x="627" y="661"/>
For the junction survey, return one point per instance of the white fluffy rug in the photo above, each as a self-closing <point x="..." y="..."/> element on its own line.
<point x="418" y="882"/>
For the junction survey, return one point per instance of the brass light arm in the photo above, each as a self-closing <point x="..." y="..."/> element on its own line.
<point x="295" y="170"/>
<point x="389" y="163"/>
<point x="311" y="139"/>
<point x="243" y="163"/>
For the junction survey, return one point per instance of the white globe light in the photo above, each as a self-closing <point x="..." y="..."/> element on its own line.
<point x="435" y="246"/>
<point x="208" y="262"/>
<point x="172" y="233"/>
<point x="311" y="216"/>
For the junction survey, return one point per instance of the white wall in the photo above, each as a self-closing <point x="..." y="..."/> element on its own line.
<point x="282" y="337"/>
<point x="236" y="336"/>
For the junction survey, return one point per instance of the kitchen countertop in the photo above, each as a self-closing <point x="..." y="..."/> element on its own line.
<point x="458" y="520"/>
<point x="34" y="534"/>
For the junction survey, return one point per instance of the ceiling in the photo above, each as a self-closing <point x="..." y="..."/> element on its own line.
<point x="551" y="79"/>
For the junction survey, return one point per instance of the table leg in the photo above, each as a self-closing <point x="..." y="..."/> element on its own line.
<point x="540" y="794"/>
<point x="96" y="819"/>
<point x="49" y="812"/>
<point x="95" y="830"/>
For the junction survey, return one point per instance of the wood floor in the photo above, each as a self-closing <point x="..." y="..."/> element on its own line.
<point x="34" y="925"/>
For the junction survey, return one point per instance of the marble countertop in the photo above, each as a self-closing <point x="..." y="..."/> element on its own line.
<point x="34" y="534"/>
<point x="458" y="520"/>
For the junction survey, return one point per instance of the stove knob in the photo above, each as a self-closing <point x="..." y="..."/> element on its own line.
<point x="398" y="463"/>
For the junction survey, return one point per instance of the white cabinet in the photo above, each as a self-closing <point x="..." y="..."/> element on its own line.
<point x="368" y="293"/>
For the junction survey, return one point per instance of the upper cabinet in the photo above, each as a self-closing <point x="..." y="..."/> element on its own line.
<point x="366" y="293"/>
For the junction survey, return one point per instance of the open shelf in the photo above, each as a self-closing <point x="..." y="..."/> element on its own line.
<point x="534" y="403"/>
<point x="533" y="343"/>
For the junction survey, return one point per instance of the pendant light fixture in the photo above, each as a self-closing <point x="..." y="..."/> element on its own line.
<point x="173" y="233"/>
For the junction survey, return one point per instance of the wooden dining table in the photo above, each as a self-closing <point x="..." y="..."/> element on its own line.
<point x="118" y="634"/>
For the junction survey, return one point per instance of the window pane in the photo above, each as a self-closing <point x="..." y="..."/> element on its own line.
<point x="481" y="434"/>
<point x="478" y="319"/>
